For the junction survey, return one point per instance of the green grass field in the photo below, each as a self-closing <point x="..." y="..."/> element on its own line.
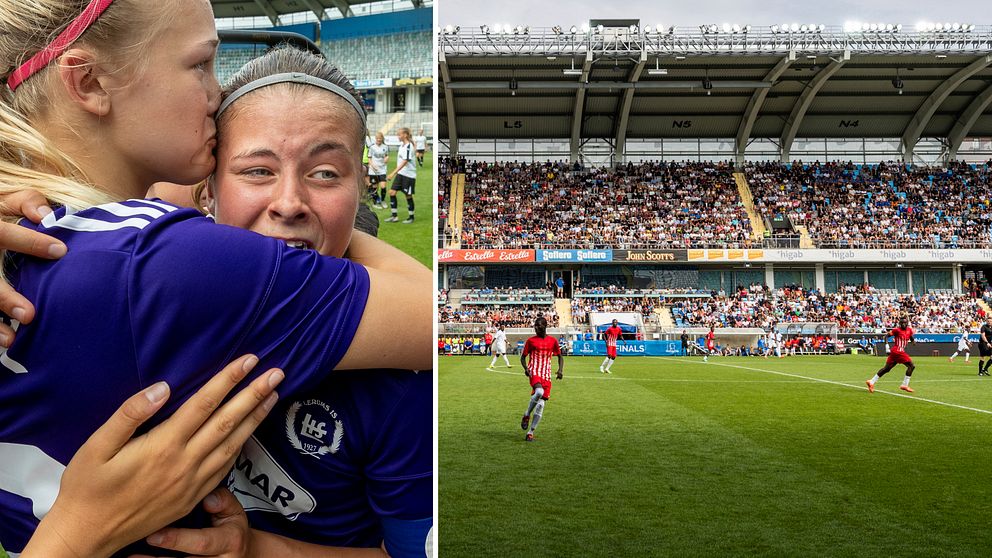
<point x="737" y="457"/>
<point x="416" y="238"/>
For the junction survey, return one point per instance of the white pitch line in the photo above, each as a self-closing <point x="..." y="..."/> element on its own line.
<point x="861" y="387"/>
<point x="697" y="381"/>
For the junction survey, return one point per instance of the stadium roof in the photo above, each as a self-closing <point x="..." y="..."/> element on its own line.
<point x="272" y="9"/>
<point x="550" y="83"/>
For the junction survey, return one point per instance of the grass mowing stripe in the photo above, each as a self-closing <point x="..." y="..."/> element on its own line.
<point x="861" y="387"/>
<point x="614" y="378"/>
<point x="632" y="465"/>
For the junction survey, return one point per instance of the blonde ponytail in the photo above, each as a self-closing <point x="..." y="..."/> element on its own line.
<point x="29" y="161"/>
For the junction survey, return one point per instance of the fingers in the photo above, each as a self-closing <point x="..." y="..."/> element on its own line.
<point x="195" y="412"/>
<point x="111" y="437"/>
<point x="16" y="238"/>
<point x="228" y="535"/>
<point x="220" y="439"/>
<point x="28" y="203"/>
<point x="213" y="541"/>
<point x="222" y="505"/>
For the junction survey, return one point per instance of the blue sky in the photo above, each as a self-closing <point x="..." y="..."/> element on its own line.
<point x="546" y="13"/>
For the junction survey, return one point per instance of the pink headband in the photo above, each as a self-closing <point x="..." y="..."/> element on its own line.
<point x="60" y="44"/>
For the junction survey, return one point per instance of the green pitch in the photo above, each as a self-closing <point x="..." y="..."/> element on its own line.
<point x="416" y="238"/>
<point x="737" y="457"/>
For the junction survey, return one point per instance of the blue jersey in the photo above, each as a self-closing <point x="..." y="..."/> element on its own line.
<point x="150" y="292"/>
<point x="348" y="464"/>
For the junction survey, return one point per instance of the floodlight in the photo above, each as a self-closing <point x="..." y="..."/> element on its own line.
<point x="573" y="29"/>
<point x="774" y="28"/>
<point x="448" y="29"/>
<point x="794" y="27"/>
<point x="599" y="29"/>
<point x="647" y="29"/>
<point x="556" y="30"/>
<point x="736" y="28"/>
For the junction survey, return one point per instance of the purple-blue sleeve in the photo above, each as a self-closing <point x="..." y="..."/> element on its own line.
<point x="203" y="294"/>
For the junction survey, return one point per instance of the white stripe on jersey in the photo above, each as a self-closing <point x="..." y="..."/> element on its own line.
<point x="29" y="472"/>
<point x="121" y="210"/>
<point x="83" y="224"/>
<point x="164" y="206"/>
<point x="540" y="364"/>
<point x="73" y="222"/>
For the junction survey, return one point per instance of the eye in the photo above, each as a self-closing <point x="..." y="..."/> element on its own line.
<point x="324" y="174"/>
<point x="256" y="172"/>
<point x="204" y="65"/>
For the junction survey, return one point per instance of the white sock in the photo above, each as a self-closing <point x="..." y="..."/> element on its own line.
<point x="606" y="363"/>
<point x="534" y="399"/>
<point x="507" y="361"/>
<point x="874" y="378"/>
<point x="954" y="355"/>
<point x="493" y="363"/>
<point x="905" y="381"/>
<point x="610" y="364"/>
<point x="538" y="412"/>
<point x="967" y="356"/>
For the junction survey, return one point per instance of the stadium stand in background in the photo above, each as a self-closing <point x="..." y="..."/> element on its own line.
<point x="749" y="178"/>
<point x="384" y="47"/>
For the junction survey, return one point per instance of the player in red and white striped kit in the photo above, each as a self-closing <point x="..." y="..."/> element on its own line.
<point x="540" y="348"/>
<point x="611" y="335"/>
<point x="902" y="336"/>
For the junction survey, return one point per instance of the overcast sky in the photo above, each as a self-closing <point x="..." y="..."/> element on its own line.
<point x="691" y="13"/>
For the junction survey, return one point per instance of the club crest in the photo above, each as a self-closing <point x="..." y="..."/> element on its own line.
<point x="313" y="428"/>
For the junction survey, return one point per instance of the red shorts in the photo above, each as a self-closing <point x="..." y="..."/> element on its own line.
<point x="611" y="352"/>
<point x="546" y="384"/>
<point x="898" y="358"/>
<point x="710" y="347"/>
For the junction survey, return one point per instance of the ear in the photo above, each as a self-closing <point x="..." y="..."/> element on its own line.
<point x="85" y="81"/>
<point x="211" y="201"/>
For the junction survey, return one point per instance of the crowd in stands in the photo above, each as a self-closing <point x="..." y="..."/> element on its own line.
<point x="856" y="309"/>
<point x="879" y="206"/>
<point x="582" y="306"/>
<point x="442" y="296"/>
<point x="508" y="294"/>
<point x="516" y="315"/>
<point x="679" y="205"/>
<point x="515" y="205"/>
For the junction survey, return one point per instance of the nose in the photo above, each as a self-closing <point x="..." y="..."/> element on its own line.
<point x="213" y="93"/>
<point x="289" y="201"/>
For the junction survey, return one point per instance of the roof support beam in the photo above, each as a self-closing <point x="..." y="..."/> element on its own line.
<point x="317" y="9"/>
<point x="418" y="3"/>
<point x="623" y="112"/>
<point x="754" y="105"/>
<point x="803" y="103"/>
<point x="577" y="114"/>
<point x="269" y="11"/>
<point x="966" y="120"/>
<point x="449" y="104"/>
<point x="911" y="135"/>
<point x="343" y="7"/>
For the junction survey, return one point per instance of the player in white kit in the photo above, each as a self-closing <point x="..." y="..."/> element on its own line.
<point x="964" y="346"/>
<point x="499" y="348"/>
